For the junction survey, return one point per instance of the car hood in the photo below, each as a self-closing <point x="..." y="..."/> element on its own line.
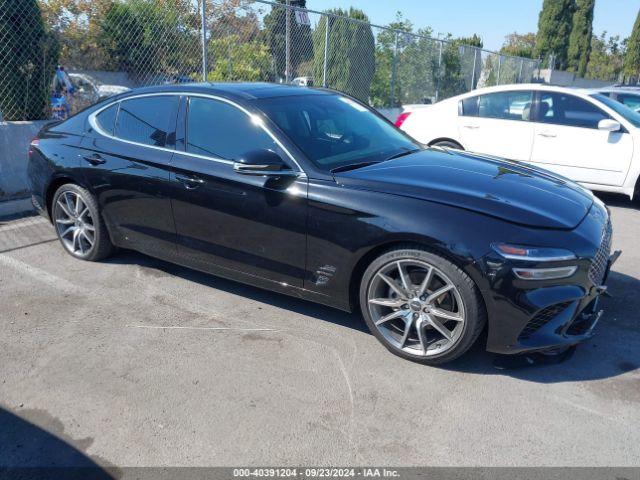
<point x="509" y="190"/>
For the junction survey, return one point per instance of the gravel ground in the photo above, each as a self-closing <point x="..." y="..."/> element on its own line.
<point x="135" y="362"/>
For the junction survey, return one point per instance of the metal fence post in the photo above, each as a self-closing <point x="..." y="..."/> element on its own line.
<point x="393" y="71"/>
<point x="520" y="72"/>
<point x="287" y="40"/>
<point x="439" y="71"/>
<point x="203" y="14"/>
<point x="499" y="68"/>
<point x="473" y="73"/>
<point x="327" y="26"/>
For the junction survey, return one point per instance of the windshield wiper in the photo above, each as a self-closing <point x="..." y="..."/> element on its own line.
<point x="402" y="154"/>
<point x="352" y="166"/>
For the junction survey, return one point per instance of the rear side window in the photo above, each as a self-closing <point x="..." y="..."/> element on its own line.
<point x="568" y="110"/>
<point x="217" y="129"/>
<point x="106" y="119"/>
<point x="506" y="105"/>
<point x="147" y="120"/>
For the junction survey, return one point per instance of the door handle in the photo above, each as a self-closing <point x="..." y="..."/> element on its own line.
<point x="94" y="159"/>
<point x="471" y="127"/>
<point x="189" y="182"/>
<point x="547" y="135"/>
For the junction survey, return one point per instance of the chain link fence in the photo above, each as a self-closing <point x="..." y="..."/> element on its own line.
<point x="110" y="44"/>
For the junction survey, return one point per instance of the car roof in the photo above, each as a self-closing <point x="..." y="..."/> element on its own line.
<point x="524" y="86"/>
<point x="235" y="90"/>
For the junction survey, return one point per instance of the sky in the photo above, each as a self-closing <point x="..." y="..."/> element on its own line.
<point x="491" y="19"/>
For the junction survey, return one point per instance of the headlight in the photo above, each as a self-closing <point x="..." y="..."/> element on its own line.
<point x="544" y="273"/>
<point x="536" y="254"/>
<point x="532" y="254"/>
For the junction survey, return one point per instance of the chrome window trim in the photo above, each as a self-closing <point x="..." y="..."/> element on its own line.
<point x="96" y="127"/>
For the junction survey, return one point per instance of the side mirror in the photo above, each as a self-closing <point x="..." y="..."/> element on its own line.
<point x="609" y="125"/>
<point x="262" y="162"/>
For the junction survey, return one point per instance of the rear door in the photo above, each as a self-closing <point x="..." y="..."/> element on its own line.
<point x="498" y="124"/>
<point x="245" y="223"/>
<point x="567" y="141"/>
<point x="126" y="159"/>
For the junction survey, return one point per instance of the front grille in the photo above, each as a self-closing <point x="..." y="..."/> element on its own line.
<point x="601" y="259"/>
<point x="541" y="318"/>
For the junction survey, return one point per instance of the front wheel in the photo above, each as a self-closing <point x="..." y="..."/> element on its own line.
<point x="421" y="306"/>
<point x="79" y="225"/>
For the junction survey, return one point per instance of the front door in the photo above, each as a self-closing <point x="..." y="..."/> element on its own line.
<point x="126" y="158"/>
<point x="251" y="224"/>
<point x="567" y="141"/>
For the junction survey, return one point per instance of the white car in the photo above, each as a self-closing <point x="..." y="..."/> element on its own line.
<point x="582" y="135"/>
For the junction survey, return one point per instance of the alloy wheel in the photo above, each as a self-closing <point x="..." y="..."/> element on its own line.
<point x="416" y="307"/>
<point x="74" y="223"/>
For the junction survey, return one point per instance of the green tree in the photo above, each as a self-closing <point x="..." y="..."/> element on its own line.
<point x="30" y="56"/>
<point x="554" y="28"/>
<point x="606" y="61"/>
<point x="235" y="59"/>
<point x="385" y="50"/>
<point x="76" y="31"/>
<point x="519" y="45"/>
<point x="151" y="37"/>
<point x="301" y="45"/>
<point x="351" y="53"/>
<point x="632" y="57"/>
<point x="580" y="38"/>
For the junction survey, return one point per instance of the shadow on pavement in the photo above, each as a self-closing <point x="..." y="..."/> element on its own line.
<point x="28" y="451"/>
<point x="604" y="356"/>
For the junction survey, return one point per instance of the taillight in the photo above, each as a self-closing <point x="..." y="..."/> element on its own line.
<point x="34" y="143"/>
<point x="401" y="118"/>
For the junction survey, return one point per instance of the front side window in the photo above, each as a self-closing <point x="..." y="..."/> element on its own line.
<point x="506" y="105"/>
<point x="220" y="130"/>
<point x="627" y="113"/>
<point x="334" y="131"/>
<point x="631" y="101"/>
<point x="470" y="107"/>
<point x="147" y="120"/>
<point x="568" y="110"/>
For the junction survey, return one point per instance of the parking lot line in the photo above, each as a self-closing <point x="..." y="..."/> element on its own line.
<point x="40" y="275"/>
<point x="173" y="327"/>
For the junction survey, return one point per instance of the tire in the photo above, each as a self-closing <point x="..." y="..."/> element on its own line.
<point x="447" y="144"/>
<point x="460" y="309"/>
<point x="79" y="225"/>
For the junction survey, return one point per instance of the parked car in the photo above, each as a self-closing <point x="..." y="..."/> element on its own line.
<point x="87" y="90"/>
<point x="626" y="95"/>
<point x="582" y="135"/>
<point x="302" y="81"/>
<point x="311" y="193"/>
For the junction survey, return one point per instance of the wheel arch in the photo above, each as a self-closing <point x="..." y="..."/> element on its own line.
<point x="54" y="185"/>
<point x="445" y="139"/>
<point x="372" y="253"/>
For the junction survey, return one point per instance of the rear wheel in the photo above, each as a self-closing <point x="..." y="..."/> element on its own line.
<point x="421" y="306"/>
<point x="79" y="225"/>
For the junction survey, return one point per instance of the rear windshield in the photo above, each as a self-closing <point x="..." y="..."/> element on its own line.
<point x="334" y="131"/>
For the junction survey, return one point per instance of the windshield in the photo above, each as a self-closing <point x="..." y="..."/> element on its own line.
<point x="628" y="114"/>
<point x="334" y="131"/>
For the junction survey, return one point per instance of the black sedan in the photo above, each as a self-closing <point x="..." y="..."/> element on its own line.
<point x="309" y="192"/>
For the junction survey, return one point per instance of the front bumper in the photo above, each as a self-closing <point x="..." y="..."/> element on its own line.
<point x="548" y="317"/>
